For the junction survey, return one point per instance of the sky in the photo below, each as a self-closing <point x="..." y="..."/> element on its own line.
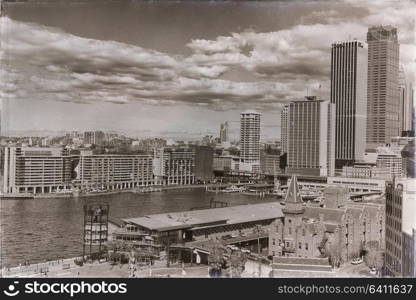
<point x="176" y="69"/>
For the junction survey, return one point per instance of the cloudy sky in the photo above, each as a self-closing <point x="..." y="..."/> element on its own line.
<point x="176" y="69"/>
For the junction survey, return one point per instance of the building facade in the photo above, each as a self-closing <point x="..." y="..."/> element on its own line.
<point x="113" y="172"/>
<point x="270" y="163"/>
<point x="349" y="94"/>
<point x="340" y="233"/>
<point x="174" y="166"/>
<point x="383" y="87"/>
<point x="94" y="137"/>
<point x="284" y="128"/>
<point x="250" y="140"/>
<point x="359" y="184"/>
<point x="401" y="228"/>
<point x="310" y="138"/>
<point x="224" y="132"/>
<point x="204" y="160"/>
<point x="366" y="171"/>
<point x="36" y="170"/>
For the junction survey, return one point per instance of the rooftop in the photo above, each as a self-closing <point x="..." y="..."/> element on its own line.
<point x="206" y="217"/>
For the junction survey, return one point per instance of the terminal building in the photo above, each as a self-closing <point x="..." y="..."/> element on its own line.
<point x="186" y="232"/>
<point x="35" y="170"/>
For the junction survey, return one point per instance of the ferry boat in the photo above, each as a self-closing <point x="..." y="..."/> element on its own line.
<point x="233" y="189"/>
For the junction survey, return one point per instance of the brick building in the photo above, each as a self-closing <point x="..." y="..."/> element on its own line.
<point x="313" y="231"/>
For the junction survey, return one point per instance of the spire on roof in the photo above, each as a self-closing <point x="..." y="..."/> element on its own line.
<point x="293" y="194"/>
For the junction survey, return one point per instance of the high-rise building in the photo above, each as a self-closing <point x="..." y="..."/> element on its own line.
<point x="310" y="137"/>
<point x="36" y="170"/>
<point x="349" y="94"/>
<point x="204" y="161"/>
<point x="283" y="128"/>
<point x="383" y="86"/>
<point x="224" y="132"/>
<point x="250" y="140"/>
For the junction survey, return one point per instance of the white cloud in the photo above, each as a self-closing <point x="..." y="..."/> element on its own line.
<point x="47" y="63"/>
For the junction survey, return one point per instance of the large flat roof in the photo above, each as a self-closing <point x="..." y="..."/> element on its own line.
<point x="204" y="217"/>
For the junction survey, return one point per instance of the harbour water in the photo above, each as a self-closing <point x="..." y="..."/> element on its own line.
<point x="36" y="230"/>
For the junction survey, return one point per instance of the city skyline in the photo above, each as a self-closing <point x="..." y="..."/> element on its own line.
<point x="263" y="65"/>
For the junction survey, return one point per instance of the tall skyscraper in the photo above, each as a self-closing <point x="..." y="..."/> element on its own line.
<point x="311" y="135"/>
<point x="283" y="128"/>
<point x="250" y="140"/>
<point x="224" y="132"/>
<point x="405" y="104"/>
<point x="383" y="86"/>
<point x="349" y="94"/>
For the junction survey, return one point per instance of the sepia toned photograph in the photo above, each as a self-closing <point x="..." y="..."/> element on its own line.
<point x="207" y="139"/>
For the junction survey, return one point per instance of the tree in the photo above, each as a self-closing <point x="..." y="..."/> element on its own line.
<point x="216" y="260"/>
<point x="374" y="256"/>
<point x="333" y="251"/>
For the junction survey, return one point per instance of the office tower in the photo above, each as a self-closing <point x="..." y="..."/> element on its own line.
<point x="224" y="132"/>
<point x="383" y="87"/>
<point x="204" y="162"/>
<point x="250" y="141"/>
<point x="283" y="128"/>
<point x="349" y="94"/>
<point x="310" y="148"/>
<point x="36" y="170"/>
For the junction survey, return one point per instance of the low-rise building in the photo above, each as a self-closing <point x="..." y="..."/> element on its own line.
<point x="340" y="233"/>
<point x="366" y="171"/>
<point x="359" y="184"/>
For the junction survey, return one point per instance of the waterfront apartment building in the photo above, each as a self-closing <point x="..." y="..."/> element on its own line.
<point x="283" y="128"/>
<point x="114" y="172"/>
<point x="174" y="166"/>
<point x="383" y="86"/>
<point x="36" y="170"/>
<point x="349" y="94"/>
<point x="250" y="141"/>
<point x="310" y="147"/>
<point x="401" y="228"/>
